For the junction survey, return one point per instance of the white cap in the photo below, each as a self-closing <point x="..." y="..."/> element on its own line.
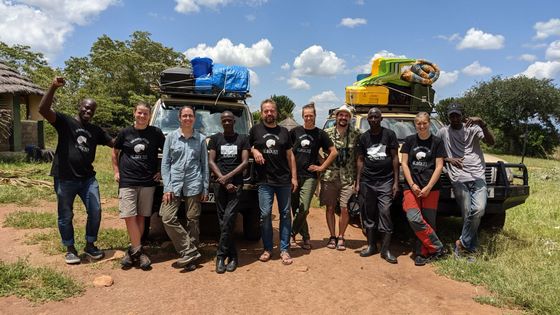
<point x="344" y="108"/>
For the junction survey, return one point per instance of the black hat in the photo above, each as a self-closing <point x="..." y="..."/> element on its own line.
<point x="455" y="108"/>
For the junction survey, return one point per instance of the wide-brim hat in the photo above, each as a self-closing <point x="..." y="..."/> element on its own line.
<point x="344" y="108"/>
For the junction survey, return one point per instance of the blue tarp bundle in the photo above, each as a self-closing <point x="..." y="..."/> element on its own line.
<point x="233" y="79"/>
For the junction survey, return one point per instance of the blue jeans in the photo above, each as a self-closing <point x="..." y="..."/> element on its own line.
<point x="471" y="198"/>
<point x="266" y="198"/>
<point x="66" y="191"/>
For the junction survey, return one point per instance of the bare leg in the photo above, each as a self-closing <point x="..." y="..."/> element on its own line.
<point x="329" y="214"/>
<point x="135" y="227"/>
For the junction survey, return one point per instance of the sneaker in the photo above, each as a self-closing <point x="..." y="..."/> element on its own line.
<point x="144" y="261"/>
<point x="420" y="261"/>
<point x="72" y="258"/>
<point x="187" y="259"/>
<point x="94" y="252"/>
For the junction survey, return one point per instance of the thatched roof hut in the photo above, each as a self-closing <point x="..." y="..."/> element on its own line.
<point x="288" y="123"/>
<point x="19" y="104"/>
<point x="12" y="82"/>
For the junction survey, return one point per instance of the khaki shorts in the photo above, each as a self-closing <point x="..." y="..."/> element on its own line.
<point x="333" y="192"/>
<point x="135" y="201"/>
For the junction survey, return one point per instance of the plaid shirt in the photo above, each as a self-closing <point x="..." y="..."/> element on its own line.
<point x="344" y="166"/>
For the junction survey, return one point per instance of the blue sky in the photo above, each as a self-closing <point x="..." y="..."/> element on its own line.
<point x="309" y="50"/>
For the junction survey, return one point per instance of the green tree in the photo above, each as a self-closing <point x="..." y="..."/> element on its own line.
<point x="515" y="108"/>
<point x="28" y="63"/>
<point x="117" y="74"/>
<point x="285" y="106"/>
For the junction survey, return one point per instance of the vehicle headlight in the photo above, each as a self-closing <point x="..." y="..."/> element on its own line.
<point x="509" y="175"/>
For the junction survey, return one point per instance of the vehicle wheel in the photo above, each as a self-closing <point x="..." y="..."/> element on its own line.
<point x="493" y="222"/>
<point x="252" y="224"/>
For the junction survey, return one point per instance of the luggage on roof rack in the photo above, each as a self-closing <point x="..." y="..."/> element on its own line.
<point x="176" y="80"/>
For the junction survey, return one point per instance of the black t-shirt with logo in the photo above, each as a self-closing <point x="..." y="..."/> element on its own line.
<point x="229" y="150"/>
<point x="273" y="144"/>
<point x="75" y="151"/>
<point x="138" y="159"/>
<point x="376" y="150"/>
<point x="422" y="156"/>
<point x="307" y="143"/>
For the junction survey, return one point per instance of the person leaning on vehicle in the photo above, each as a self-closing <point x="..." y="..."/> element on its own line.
<point x="276" y="175"/>
<point x="307" y="141"/>
<point x="228" y="156"/>
<point x="184" y="169"/>
<point x="135" y="165"/>
<point x="465" y="168"/>
<point x="377" y="181"/>
<point x="73" y="171"/>
<point x="337" y="184"/>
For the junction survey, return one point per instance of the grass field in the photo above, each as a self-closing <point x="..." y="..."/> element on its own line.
<point x="520" y="265"/>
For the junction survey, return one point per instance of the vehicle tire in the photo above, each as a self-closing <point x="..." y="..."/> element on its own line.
<point x="252" y="224"/>
<point x="493" y="222"/>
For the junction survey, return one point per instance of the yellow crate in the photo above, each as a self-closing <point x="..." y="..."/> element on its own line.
<point x="378" y="95"/>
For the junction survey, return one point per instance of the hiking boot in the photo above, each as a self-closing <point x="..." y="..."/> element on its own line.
<point x="371" y="249"/>
<point x="94" y="252"/>
<point x="220" y="265"/>
<point x="127" y="261"/>
<point x="420" y="261"/>
<point x="385" y="252"/>
<point x="71" y="256"/>
<point x="144" y="261"/>
<point x="232" y="265"/>
<point x="187" y="259"/>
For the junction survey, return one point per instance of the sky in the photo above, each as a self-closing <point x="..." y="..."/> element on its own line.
<point x="309" y="50"/>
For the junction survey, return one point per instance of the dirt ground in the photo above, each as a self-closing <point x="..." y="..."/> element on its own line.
<point x="319" y="281"/>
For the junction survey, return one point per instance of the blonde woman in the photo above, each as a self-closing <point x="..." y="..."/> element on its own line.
<point x="422" y="163"/>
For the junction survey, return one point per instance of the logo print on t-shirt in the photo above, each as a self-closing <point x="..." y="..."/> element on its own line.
<point x="139" y="148"/>
<point x="228" y="150"/>
<point x="270" y="143"/>
<point x="377" y="152"/>
<point x="81" y="140"/>
<point x="420" y="155"/>
<point x="305" y="143"/>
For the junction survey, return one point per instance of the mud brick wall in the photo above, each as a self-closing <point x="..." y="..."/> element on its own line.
<point x="29" y="133"/>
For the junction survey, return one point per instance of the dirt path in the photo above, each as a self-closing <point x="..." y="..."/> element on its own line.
<point x="320" y="281"/>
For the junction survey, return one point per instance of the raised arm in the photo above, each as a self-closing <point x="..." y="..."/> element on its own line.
<point x="45" y="106"/>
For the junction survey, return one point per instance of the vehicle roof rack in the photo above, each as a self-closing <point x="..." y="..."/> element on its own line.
<point x="229" y="96"/>
<point x="389" y="108"/>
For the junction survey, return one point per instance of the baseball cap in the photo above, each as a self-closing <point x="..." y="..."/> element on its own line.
<point x="455" y="108"/>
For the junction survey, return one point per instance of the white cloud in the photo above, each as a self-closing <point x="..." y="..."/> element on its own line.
<point x="553" y="51"/>
<point x="451" y="38"/>
<point x="352" y="22"/>
<point x="542" y="70"/>
<point x="476" y="69"/>
<point x="546" y="29"/>
<point x="317" y="61"/>
<point x="477" y="39"/>
<point x="325" y="97"/>
<point x="250" y="17"/>
<point x="298" y="84"/>
<point x="366" y="68"/>
<point x="528" y="57"/>
<point x="44" y="25"/>
<point x="447" y="78"/>
<point x="285" y="66"/>
<point x="194" y="6"/>
<point x="253" y="78"/>
<point x="227" y="53"/>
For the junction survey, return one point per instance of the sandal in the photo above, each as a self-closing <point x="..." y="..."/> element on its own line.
<point x="332" y="242"/>
<point x="286" y="258"/>
<point x="306" y="245"/>
<point x="265" y="256"/>
<point x="341" y="243"/>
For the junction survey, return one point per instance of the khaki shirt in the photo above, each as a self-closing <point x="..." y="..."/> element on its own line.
<point x="345" y="145"/>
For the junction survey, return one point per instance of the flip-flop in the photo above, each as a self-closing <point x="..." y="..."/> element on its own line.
<point x="286" y="258"/>
<point x="265" y="256"/>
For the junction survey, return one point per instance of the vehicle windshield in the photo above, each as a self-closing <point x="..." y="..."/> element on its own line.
<point x="402" y="127"/>
<point x="207" y="119"/>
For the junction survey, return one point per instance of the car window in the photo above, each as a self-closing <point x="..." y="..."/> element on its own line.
<point x="207" y="119"/>
<point x="403" y="127"/>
